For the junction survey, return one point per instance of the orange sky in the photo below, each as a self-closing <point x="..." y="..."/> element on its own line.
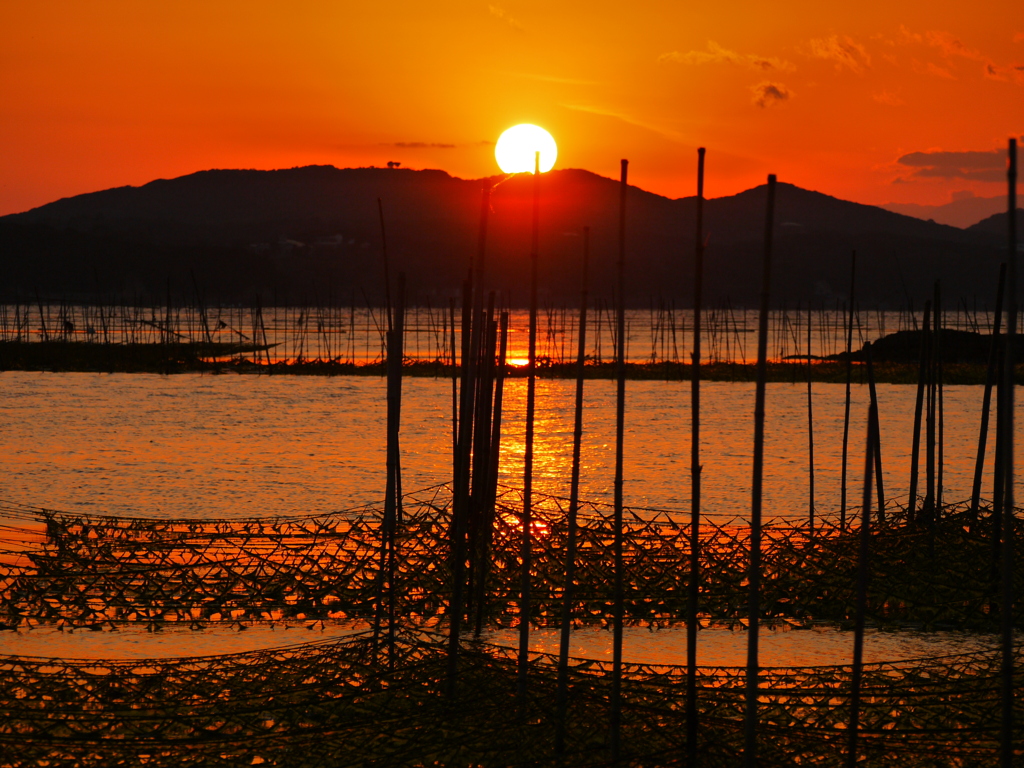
<point x="95" y="95"/>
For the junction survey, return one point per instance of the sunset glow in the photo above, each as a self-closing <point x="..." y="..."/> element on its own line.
<point x="517" y="148"/>
<point x="906" y="102"/>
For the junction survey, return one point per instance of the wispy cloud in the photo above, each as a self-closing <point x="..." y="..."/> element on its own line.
<point x="951" y="45"/>
<point x="952" y="48"/>
<point x="845" y="52"/>
<point x="716" y="54"/>
<point x="971" y="165"/>
<point x="502" y="15"/>
<point x="888" y="98"/>
<point x="553" y="79"/>
<point x="766" y="94"/>
<point x="628" y="119"/>
<point x="421" y="145"/>
<point x="930" y="68"/>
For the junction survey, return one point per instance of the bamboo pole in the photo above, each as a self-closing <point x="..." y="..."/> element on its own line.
<point x="875" y="430"/>
<point x="754" y="572"/>
<point x="395" y="457"/>
<point x="1007" y="554"/>
<point x="384" y="253"/>
<point x="495" y="456"/>
<point x="810" y="431"/>
<point x="939" y="421"/>
<point x="526" y="550"/>
<point x="922" y="377"/>
<point x="574" y="496"/>
<point x="461" y="485"/>
<point x="481" y="442"/>
<point x="986" y="403"/>
<point x="849" y="376"/>
<point x="693" y="586"/>
<point x="620" y="420"/>
<point x="929" y="502"/>
<point x="863" y="574"/>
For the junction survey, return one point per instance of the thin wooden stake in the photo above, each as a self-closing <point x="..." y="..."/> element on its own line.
<point x="876" y="431"/>
<point x="1009" y="513"/>
<point x="754" y="572"/>
<point x="810" y="431"/>
<point x="495" y="457"/>
<point x="922" y="377"/>
<point x="526" y="549"/>
<point x="574" y="496"/>
<point x="849" y="376"/>
<point x="863" y="574"/>
<point x="986" y="402"/>
<point x="939" y="421"/>
<point x="620" y="420"/>
<point x="693" y="587"/>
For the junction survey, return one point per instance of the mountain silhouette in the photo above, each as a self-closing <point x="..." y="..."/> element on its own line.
<point x="963" y="212"/>
<point x="313" y="234"/>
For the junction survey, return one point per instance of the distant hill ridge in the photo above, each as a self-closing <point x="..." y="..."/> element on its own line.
<point x="962" y="213"/>
<point x="296" y="232"/>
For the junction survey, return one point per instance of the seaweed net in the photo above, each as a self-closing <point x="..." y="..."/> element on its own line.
<point x="357" y="701"/>
<point x="94" y="570"/>
<point x="339" y="704"/>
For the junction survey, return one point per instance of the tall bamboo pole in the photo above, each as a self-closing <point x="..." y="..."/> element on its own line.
<point x="492" y="473"/>
<point x="1009" y="513"/>
<point x="693" y="587"/>
<point x="531" y="396"/>
<point x="863" y="574"/>
<point x="574" y="497"/>
<point x="387" y="275"/>
<point x="986" y="402"/>
<point x="810" y="431"/>
<point x="915" y="450"/>
<point x="875" y="430"/>
<point x="620" y="420"/>
<point x="461" y="485"/>
<point x="939" y="422"/>
<point x="849" y="376"/>
<point x="395" y="458"/>
<point x="929" y="502"/>
<point x="754" y="572"/>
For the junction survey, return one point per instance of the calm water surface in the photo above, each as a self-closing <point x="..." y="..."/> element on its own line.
<point x="232" y="446"/>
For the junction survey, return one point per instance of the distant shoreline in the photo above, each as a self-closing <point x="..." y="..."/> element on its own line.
<point x="68" y="357"/>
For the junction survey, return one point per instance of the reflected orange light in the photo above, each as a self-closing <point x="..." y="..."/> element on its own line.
<point x="539" y="528"/>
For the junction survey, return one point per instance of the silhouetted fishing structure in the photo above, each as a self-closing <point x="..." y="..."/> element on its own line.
<point x="418" y="578"/>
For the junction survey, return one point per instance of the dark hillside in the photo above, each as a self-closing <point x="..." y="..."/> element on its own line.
<point x="312" y="234"/>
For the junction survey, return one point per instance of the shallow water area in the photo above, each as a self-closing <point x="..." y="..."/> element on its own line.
<point x="723" y="647"/>
<point x="231" y="446"/>
<point x="717" y="646"/>
<point x="170" y="641"/>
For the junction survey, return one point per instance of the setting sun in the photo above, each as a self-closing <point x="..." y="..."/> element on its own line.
<point x="515" y="150"/>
